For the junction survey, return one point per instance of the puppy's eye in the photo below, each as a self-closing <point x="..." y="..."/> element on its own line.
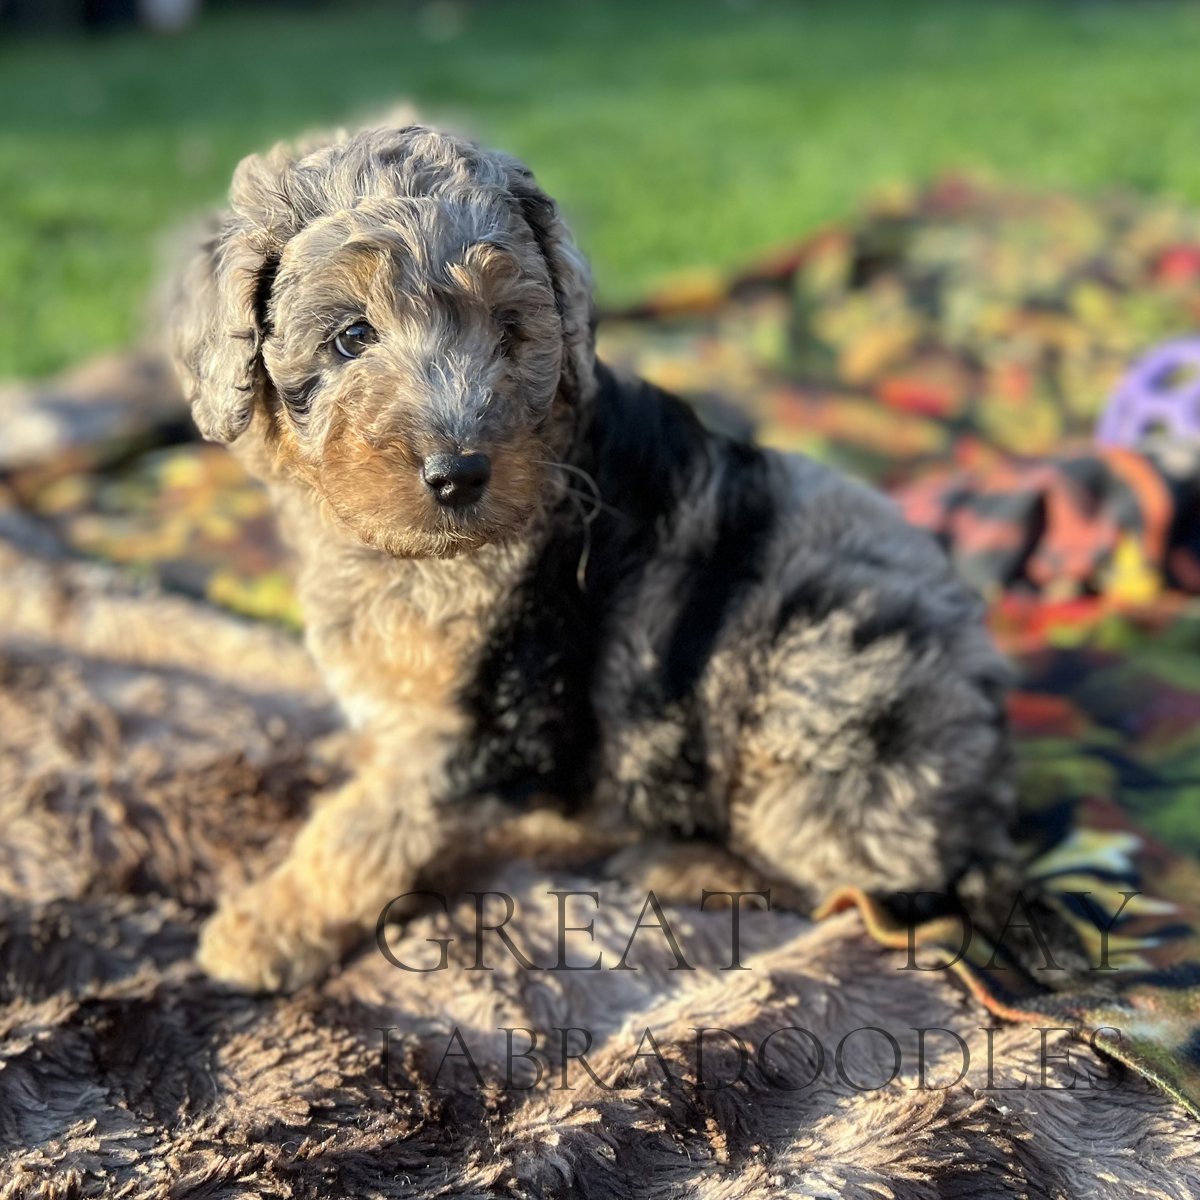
<point x="354" y="339"/>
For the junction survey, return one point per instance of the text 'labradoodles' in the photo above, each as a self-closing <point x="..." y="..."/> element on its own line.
<point x="531" y="583"/>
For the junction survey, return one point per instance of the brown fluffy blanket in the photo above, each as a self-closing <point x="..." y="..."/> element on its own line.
<point x="155" y="752"/>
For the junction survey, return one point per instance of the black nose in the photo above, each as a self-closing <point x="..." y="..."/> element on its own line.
<point x="457" y="479"/>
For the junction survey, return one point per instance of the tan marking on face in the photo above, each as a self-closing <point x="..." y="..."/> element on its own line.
<point x="486" y="273"/>
<point x="380" y="494"/>
<point x="436" y="381"/>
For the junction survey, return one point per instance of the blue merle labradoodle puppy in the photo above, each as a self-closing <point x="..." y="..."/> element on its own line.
<point x="533" y="584"/>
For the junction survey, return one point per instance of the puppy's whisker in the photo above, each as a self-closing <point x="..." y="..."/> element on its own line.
<point x="593" y="487"/>
<point x="585" y="552"/>
<point x="594" y="509"/>
<point x="574" y="470"/>
<point x="586" y="516"/>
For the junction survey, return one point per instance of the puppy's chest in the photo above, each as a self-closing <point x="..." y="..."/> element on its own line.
<point x="558" y="707"/>
<point x="479" y="679"/>
<point x="399" y="676"/>
<point x="528" y="722"/>
<point x="560" y="703"/>
<point x="541" y="694"/>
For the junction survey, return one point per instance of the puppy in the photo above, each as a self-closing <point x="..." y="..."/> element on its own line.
<point x="529" y="582"/>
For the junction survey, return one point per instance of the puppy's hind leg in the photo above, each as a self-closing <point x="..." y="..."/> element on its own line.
<point x="881" y="764"/>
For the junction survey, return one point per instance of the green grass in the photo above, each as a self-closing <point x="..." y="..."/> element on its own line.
<point x="678" y="133"/>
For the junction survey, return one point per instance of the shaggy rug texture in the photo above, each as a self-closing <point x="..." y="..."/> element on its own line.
<point x="155" y="752"/>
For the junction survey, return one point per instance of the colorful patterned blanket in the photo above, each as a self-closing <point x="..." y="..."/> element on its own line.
<point x="955" y="347"/>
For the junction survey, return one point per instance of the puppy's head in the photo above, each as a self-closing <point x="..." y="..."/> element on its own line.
<point x="399" y="322"/>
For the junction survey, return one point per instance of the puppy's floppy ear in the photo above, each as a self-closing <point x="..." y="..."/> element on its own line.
<point x="218" y="311"/>
<point x="568" y="273"/>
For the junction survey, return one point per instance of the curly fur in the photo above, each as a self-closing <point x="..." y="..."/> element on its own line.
<point x="651" y="626"/>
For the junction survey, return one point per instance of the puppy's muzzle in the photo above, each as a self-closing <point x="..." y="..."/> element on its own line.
<point x="456" y="480"/>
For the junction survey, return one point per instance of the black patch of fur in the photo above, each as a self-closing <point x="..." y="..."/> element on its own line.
<point x="533" y="725"/>
<point x="889" y="732"/>
<point x="896" y="614"/>
<point x="721" y="573"/>
<point x="812" y="599"/>
<point x="532" y="728"/>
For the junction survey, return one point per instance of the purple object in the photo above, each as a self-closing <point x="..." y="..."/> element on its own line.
<point x="1161" y="392"/>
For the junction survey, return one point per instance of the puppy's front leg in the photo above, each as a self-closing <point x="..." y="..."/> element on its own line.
<point x="363" y="845"/>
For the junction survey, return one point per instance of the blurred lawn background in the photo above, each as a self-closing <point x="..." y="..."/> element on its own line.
<point x="677" y="133"/>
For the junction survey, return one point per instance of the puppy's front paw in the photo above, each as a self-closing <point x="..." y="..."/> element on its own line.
<point x="265" y="940"/>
